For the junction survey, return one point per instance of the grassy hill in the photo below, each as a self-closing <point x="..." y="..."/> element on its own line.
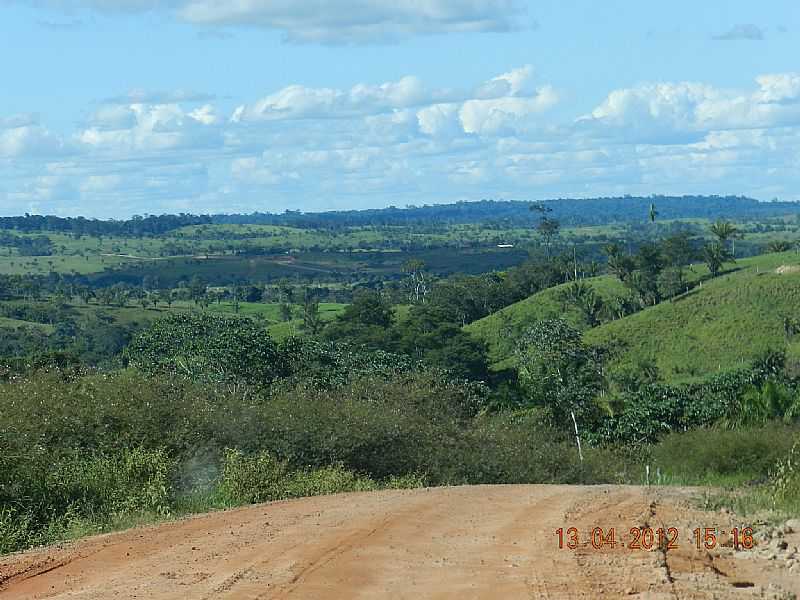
<point x="498" y="329"/>
<point x="725" y="323"/>
<point x="717" y="326"/>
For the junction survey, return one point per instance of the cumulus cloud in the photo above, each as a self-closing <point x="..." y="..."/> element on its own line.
<point x="504" y="114"/>
<point x="340" y="22"/>
<point x="150" y="127"/>
<point x="23" y="136"/>
<point x="301" y="102"/>
<point x="405" y="141"/>
<point x="746" y="31"/>
<point x="502" y="105"/>
<point x="686" y="111"/>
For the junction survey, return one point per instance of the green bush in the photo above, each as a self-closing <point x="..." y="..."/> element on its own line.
<point x="250" y="479"/>
<point x="786" y="480"/>
<point x="332" y="479"/>
<point x="128" y="481"/>
<point x="522" y="448"/>
<point x="15" y="530"/>
<point x="205" y="347"/>
<point x="702" y="455"/>
<point x="261" y="478"/>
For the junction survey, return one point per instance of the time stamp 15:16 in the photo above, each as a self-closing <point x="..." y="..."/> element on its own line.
<point x="648" y="538"/>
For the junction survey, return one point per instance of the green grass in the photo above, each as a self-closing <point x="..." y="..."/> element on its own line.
<point x="719" y="326"/>
<point x="499" y="330"/>
<point x="6" y="323"/>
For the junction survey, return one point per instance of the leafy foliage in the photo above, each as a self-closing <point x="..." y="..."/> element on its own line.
<point x="208" y="347"/>
<point x="559" y="371"/>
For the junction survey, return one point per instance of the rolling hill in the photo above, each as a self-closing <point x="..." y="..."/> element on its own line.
<point x="499" y="329"/>
<point x="719" y="325"/>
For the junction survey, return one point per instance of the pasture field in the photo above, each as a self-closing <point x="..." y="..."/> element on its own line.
<point x="719" y="325"/>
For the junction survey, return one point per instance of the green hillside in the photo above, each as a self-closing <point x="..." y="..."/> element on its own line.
<point x="717" y="326"/>
<point x="499" y="329"/>
<point x="724" y="323"/>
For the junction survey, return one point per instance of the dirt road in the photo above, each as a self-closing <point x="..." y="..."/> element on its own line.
<point x="467" y="542"/>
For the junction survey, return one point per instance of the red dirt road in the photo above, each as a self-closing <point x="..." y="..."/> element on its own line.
<point x="464" y="542"/>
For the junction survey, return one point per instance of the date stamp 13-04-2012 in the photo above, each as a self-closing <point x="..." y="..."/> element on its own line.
<point x="649" y="538"/>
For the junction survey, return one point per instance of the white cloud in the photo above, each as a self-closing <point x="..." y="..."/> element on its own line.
<point x="503" y="105"/>
<point x="29" y="140"/>
<point x="301" y="102"/>
<point x="407" y="142"/>
<point x="144" y="127"/>
<point x="339" y="22"/>
<point x="505" y="114"/>
<point x="355" y="21"/>
<point x="440" y="119"/>
<point x="670" y="112"/>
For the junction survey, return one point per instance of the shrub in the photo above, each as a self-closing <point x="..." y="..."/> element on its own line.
<point x="15" y="531"/>
<point x="786" y="480"/>
<point x="251" y="479"/>
<point x="707" y="454"/>
<point x="128" y="481"/>
<point x="208" y="348"/>
<point x="332" y="479"/>
<point x="261" y="478"/>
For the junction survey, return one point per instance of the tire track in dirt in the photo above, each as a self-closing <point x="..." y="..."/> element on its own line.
<point x="461" y="542"/>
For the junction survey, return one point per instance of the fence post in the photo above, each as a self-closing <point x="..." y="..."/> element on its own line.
<point x="577" y="437"/>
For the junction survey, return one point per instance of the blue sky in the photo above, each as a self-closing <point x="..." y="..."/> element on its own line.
<point x="116" y="107"/>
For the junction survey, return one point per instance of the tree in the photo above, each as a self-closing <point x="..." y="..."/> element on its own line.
<point x="312" y="320"/>
<point x="285" y="311"/>
<point x="207" y="347"/>
<point x="779" y="246"/>
<point x="558" y="371"/>
<point x="769" y="402"/>
<point x="368" y="308"/>
<point x="678" y="250"/>
<point x="618" y="264"/>
<point x="671" y="282"/>
<point x="652" y="213"/>
<point x="715" y="255"/>
<point x="417" y="281"/>
<point x="724" y="231"/>
<point x="583" y="297"/>
<point x="428" y="335"/>
<point x="548" y="229"/>
<point x="367" y="322"/>
<point x="197" y="289"/>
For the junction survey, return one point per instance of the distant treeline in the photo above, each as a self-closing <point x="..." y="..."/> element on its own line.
<point x="136" y="226"/>
<point x="507" y="213"/>
<point x="569" y="211"/>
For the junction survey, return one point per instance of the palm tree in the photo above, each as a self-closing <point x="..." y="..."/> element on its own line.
<point x="779" y="246"/>
<point x="725" y="230"/>
<point x="715" y="256"/>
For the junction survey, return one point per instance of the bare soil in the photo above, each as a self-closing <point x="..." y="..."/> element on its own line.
<point x="463" y="542"/>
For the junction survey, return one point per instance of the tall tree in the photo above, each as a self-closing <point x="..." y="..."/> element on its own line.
<point x="417" y="280"/>
<point x="652" y="213"/>
<point x="559" y="371"/>
<point x="724" y="231"/>
<point x="715" y="255"/>
<point x="312" y="320"/>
